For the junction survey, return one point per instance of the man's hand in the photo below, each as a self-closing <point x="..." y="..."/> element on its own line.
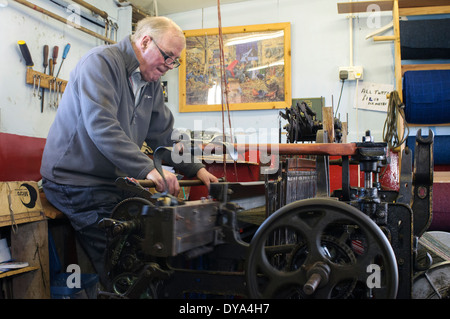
<point x="171" y="179"/>
<point x="206" y="177"/>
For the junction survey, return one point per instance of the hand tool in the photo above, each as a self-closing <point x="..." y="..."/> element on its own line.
<point x="50" y="66"/>
<point x="39" y="86"/>
<point x="25" y="53"/>
<point x="66" y="51"/>
<point x="45" y="67"/>
<point x="34" y="84"/>
<point x="58" y="92"/>
<point x="50" y="83"/>
<point x="55" y="56"/>
<point x="45" y="57"/>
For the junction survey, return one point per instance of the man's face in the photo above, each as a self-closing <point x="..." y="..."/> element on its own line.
<point x="152" y="63"/>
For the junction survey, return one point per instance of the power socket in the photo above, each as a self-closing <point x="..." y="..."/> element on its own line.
<point x="353" y="72"/>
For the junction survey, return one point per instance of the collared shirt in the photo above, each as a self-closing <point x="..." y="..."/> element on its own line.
<point x="137" y="83"/>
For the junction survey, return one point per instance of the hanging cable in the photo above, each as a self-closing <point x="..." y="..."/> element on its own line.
<point x="340" y="95"/>
<point x="390" y="130"/>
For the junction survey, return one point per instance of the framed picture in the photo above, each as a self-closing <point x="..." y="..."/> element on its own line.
<point x="257" y="62"/>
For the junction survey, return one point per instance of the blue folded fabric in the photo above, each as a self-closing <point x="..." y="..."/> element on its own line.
<point x="425" y="39"/>
<point x="426" y="95"/>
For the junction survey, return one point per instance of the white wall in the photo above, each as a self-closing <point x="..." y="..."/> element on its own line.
<point x="319" y="44"/>
<point x="20" y="112"/>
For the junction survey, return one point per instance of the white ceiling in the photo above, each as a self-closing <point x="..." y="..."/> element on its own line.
<point x="166" y="7"/>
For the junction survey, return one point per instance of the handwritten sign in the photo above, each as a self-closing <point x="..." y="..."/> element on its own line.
<point x="373" y="96"/>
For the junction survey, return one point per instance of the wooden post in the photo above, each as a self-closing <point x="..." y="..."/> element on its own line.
<point x="30" y="243"/>
<point x="398" y="74"/>
<point x="328" y="122"/>
<point x="344" y="132"/>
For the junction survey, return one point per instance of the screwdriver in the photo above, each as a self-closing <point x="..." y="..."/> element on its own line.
<point x="45" y="67"/>
<point x="55" y="56"/>
<point x="25" y="53"/>
<point x="66" y="51"/>
<point x="45" y="57"/>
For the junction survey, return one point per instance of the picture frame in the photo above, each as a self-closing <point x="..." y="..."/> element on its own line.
<point x="257" y="65"/>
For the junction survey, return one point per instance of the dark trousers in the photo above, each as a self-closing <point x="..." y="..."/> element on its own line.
<point x="85" y="207"/>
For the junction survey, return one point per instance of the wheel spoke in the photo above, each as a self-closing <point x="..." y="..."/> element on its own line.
<point x="346" y="272"/>
<point x="284" y="282"/>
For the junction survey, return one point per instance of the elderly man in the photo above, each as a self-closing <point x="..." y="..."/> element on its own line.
<point x="112" y="105"/>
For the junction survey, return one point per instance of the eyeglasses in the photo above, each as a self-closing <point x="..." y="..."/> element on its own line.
<point x="167" y="59"/>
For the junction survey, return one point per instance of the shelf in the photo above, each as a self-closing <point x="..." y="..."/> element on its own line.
<point x="441" y="177"/>
<point x="17" y="271"/>
<point x="21" y="218"/>
<point x="420" y="67"/>
<point x="427" y="125"/>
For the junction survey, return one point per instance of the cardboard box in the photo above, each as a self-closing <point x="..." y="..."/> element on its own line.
<point x="20" y="203"/>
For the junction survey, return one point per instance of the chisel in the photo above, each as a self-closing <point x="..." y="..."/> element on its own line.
<point x="25" y="53"/>
<point x="66" y="51"/>
<point x="45" y="67"/>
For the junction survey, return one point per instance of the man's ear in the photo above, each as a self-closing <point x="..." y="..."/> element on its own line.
<point x="145" y="42"/>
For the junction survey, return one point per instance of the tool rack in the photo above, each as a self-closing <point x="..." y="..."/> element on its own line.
<point x="46" y="81"/>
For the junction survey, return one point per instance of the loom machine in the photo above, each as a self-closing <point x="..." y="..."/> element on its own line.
<point x="299" y="241"/>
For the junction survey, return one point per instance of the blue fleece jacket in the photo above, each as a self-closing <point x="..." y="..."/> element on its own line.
<point x="98" y="130"/>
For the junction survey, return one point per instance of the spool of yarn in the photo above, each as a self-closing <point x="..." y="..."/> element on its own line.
<point x="426" y="95"/>
<point x="425" y="39"/>
<point x="441" y="148"/>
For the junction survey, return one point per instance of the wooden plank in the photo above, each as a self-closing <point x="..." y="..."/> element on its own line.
<point x="17" y="271"/>
<point x="50" y="211"/>
<point x="421" y="3"/>
<point x="30" y="243"/>
<point x="330" y="149"/>
<point x="361" y="6"/>
<point x="424" y="10"/>
<point x="406" y="7"/>
<point x="424" y="67"/>
<point x="46" y="81"/>
<point x="328" y="122"/>
<point x="20" y="219"/>
<point x="427" y="124"/>
<point x="441" y="177"/>
<point x="344" y="132"/>
<point x="397" y="47"/>
<point x="64" y="20"/>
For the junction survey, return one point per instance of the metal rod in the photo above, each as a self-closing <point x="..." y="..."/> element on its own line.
<point x="88" y="16"/>
<point x="184" y="182"/>
<point x="96" y="10"/>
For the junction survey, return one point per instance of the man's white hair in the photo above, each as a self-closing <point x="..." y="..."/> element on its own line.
<point x="156" y="27"/>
